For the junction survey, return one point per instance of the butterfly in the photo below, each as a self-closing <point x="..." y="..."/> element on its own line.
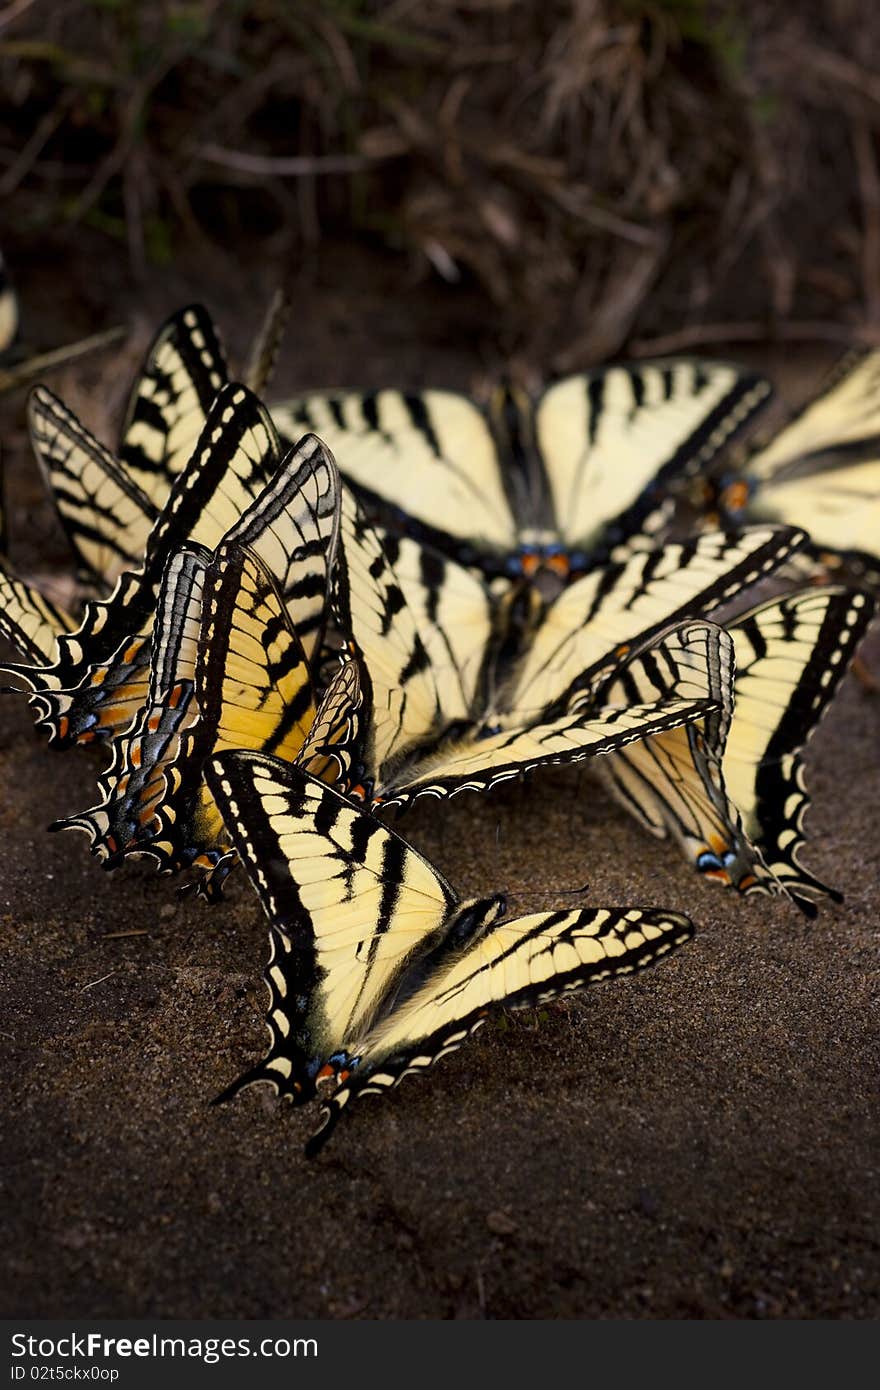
<point x="108" y="504"/>
<point x="229" y="672"/>
<point x="731" y="788"/>
<point x="99" y="679"/>
<point x="821" y="472"/>
<point x="377" y="967"/>
<point x="559" y="483"/>
<point x="229" y="668"/>
<point x="105" y="514"/>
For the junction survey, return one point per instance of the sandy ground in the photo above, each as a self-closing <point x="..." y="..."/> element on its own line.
<point x="701" y="1141"/>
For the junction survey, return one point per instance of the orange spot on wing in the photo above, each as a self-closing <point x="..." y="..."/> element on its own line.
<point x="735" y="497"/>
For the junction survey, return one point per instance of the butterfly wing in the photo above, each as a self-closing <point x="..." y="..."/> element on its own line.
<point x="401" y="701"/>
<point x="30" y="621"/>
<point x="613" y="440"/>
<point x="453" y="612"/>
<point x="619" y="606"/>
<point x="679" y="677"/>
<point x="184" y="370"/>
<point x="846" y="414"/>
<point x="330" y="747"/>
<point x="292" y="528"/>
<point x="101" y="675"/>
<point x="837" y="502"/>
<point x="253" y="691"/>
<point x="106" y="515"/>
<point x="427" y="456"/>
<point x="350" y="903"/>
<point x="791" y="655"/>
<point x="822" y="470"/>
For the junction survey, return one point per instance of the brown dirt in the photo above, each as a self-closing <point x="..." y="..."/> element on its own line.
<point x="700" y="1141"/>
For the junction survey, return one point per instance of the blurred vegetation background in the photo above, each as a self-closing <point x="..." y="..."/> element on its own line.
<point x="610" y="175"/>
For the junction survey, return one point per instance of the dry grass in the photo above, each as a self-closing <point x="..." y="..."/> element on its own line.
<point x="614" y="172"/>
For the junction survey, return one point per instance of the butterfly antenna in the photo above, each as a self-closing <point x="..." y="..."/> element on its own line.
<point x="265" y="347"/>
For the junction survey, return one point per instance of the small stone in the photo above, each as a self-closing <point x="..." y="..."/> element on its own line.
<point x="500" y="1224"/>
<point x="166" y="911"/>
<point x="726" y="1270"/>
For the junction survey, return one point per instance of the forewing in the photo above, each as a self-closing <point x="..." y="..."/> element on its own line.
<point x="683" y="676"/>
<point x="293" y="528"/>
<point x="106" y="515"/>
<point x="185" y="369"/>
<point x="611" y="611"/>
<point x="30" y="621"/>
<point x="613" y="440"/>
<point x="427" y="457"/>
